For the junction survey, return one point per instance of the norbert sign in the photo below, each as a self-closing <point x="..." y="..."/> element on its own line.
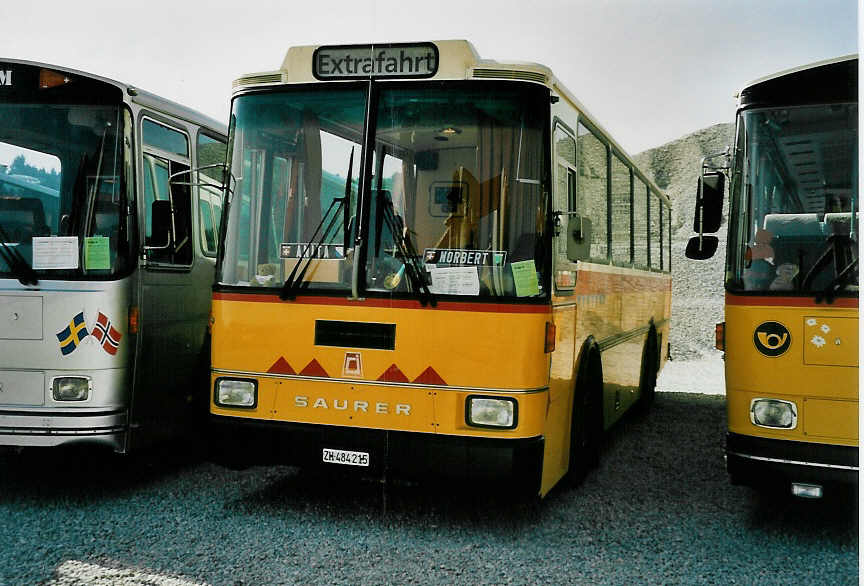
<point x="364" y="61"/>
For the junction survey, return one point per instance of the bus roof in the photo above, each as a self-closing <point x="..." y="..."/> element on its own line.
<point x="137" y="96"/>
<point x="776" y="83"/>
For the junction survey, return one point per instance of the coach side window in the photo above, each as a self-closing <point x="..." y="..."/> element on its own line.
<point x="620" y="211"/>
<point x="667" y="237"/>
<point x="640" y="223"/>
<point x="565" y="182"/>
<point x="591" y="190"/>
<point x="655" y="252"/>
<point x="209" y="152"/>
<point x="165" y="153"/>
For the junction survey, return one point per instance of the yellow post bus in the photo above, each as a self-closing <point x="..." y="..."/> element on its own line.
<point x="791" y="329"/>
<point x="431" y="265"/>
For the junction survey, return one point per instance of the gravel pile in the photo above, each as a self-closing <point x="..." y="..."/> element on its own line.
<point x="658" y="510"/>
<point x="697" y="286"/>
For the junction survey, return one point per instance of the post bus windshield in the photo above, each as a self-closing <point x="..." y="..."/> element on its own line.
<point x="62" y="180"/>
<point x="795" y="202"/>
<point x="455" y="187"/>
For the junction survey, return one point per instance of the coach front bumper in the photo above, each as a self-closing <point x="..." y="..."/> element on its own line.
<point x="479" y="461"/>
<point x="48" y="428"/>
<point x="756" y="461"/>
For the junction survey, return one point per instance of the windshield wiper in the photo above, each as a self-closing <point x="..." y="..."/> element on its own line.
<point x="837" y="284"/>
<point x="16" y="261"/>
<point x="405" y="251"/>
<point x="836" y="251"/>
<point x="295" y="279"/>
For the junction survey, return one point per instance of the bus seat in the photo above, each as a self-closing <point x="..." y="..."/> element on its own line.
<point x="106" y="219"/>
<point x="793" y="225"/>
<point x="21" y="218"/>
<point x="839" y="223"/>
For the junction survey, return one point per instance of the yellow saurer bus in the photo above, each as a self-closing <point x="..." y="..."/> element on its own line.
<point x="791" y="329"/>
<point x="431" y="265"/>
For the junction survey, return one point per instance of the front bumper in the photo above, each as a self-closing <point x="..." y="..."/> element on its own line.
<point x="478" y="461"/>
<point x="44" y="428"/>
<point x="756" y="461"/>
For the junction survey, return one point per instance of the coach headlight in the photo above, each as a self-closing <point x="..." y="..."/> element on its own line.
<point x="773" y="413"/>
<point x="495" y="412"/>
<point x="71" y="388"/>
<point x="233" y="392"/>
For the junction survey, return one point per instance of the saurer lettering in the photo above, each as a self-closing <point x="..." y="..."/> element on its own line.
<point x="357" y="406"/>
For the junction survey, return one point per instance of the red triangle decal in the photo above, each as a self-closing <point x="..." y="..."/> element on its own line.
<point x="393" y="375"/>
<point x="314" y="369"/>
<point x="281" y="366"/>
<point x="429" y="377"/>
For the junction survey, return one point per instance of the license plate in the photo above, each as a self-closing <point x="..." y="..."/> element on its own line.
<point x="345" y="457"/>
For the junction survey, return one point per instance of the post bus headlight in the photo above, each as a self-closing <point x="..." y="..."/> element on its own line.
<point x="498" y="412"/>
<point x="232" y="392"/>
<point x="71" y="388"/>
<point x="773" y="413"/>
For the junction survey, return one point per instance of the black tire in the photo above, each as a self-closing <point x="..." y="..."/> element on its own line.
<point x="586" y="427"/>
<point x="648" y="378"/>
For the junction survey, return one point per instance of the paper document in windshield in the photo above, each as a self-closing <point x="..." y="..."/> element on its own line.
<point x="455" y="281"/>
<point x="55" y="252"/>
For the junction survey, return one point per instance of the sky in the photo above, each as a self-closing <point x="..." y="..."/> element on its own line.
<point x="649" y="71"/>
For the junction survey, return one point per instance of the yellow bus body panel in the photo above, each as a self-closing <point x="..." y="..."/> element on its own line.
<point x="818" y="371"/>
<point x="474" y="349"/>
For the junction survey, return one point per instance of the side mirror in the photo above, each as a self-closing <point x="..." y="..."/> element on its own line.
<point x="161" y="225"/>
<point x="578" y="238"/>
<point x="701" y="247"/>
<point x="709" y="203"/>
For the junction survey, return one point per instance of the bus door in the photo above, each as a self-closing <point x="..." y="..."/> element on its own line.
<point x="175" y="278"/>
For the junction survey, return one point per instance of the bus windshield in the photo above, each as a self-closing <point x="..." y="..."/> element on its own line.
<point x="62" y="190"/>
<point x="795" y="201"/>
<point x="454" y="192"/>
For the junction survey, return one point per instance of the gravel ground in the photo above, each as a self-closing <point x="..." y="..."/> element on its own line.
<point x="658" y="510"/>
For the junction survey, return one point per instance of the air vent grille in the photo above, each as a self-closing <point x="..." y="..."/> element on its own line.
<point x="256" y="79"/>
<point x="510" y="74"/>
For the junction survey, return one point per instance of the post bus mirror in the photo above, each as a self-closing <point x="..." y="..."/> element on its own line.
<point x="701" y="247"/>
<point x="578" y="238"/>
<point x="160" y="214"/>
<point x="709" y="203"/>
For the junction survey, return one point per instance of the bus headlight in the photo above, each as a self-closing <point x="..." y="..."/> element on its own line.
<point x="491" y="412"/>
<point x="773" y="413"/>
<point x="232" y="392"/>
<point x="71" y="388"/>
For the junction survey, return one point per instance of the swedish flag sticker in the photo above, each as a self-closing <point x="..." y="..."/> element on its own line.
<point x="73" y="334"/>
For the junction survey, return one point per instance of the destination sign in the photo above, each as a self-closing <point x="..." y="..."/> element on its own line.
<point x="364" y="61"/>
<point x="446" y="257"/>
<point x="310" y="250"/>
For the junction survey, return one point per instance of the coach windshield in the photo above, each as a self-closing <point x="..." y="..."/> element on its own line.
<point x="63" y="169"/>
<point x="795" y="202"/>
<point x="450" y="201"/>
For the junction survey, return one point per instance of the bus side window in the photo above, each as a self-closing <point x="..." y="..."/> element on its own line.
<point x="210" y="155"/>
<point x="170" y="156"/>
<point x="591" y="198"/>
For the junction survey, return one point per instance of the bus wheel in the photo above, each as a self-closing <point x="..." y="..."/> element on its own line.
<point x="648" y="378"/>
<point x="587" y="421"/>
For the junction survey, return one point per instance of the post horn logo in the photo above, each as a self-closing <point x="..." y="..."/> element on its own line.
<point x="772" y="338"/>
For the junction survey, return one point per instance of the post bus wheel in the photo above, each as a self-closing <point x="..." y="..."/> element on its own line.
<point x="586" y="427"/>
<point x="648" y="379"/>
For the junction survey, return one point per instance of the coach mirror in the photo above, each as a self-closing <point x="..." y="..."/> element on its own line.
<point x="709" y="203"/>
<point x="701" y="247"/>
<point x="708" y="216"/>
<point x="578" y="237"/>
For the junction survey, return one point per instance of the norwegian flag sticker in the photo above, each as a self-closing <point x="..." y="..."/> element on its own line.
<point x="106" y="334"/>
